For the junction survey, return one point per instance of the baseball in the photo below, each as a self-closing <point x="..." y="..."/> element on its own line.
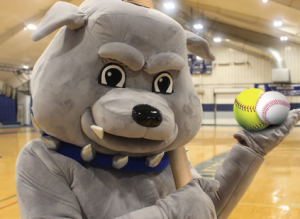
<point x="272" y="107"/>
<point x="245" y="112"/>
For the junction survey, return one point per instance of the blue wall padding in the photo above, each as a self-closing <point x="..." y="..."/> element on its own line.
<point x="220" y="107"/>
<point x="229" y="107"/>
<point x="7" y="110"/>
<point x="208" y="107"/>
<point x="295" y="105"/>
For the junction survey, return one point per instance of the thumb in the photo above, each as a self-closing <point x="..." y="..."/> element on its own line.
<point x="292" y="119"/>
<point x="208" y="185"/>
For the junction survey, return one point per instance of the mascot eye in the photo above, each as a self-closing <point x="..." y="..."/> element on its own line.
<point x="163" y="83"/>
<point x="113" y="76"/>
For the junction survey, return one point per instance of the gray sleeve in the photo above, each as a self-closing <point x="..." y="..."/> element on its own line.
<point x="152" y="212"/>
<point x="235" y="176"/>
<point x="42" y="189"/>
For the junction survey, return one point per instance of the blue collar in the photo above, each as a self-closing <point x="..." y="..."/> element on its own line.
<point x="137" y="164"/>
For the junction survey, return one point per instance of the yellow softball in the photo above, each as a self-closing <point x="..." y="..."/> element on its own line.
<point x="245" y="112"/>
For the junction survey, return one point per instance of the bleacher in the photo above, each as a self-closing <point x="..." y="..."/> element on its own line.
<point x="198" y="65"/>
<point x="8" y="115"/>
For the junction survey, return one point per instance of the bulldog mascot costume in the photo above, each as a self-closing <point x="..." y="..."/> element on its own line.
<point x="112" y="94"/>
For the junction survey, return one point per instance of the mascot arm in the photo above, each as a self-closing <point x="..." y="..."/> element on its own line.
<point x="42" y="188"/>
<point x="188" y="202"/>
<point x="235" y="176"/>
<point x="244" y="160"/>
<point x="152" y="212"/>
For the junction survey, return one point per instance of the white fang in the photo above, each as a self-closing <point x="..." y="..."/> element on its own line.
<point x="98" y="131"/>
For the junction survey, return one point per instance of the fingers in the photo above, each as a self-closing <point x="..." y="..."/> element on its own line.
<point x="297" y="111"/>
<point x="208" y="185"/>
<point x="294" y="113"/>
<point x="292" y="119"/>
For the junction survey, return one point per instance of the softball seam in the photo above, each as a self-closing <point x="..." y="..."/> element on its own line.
<point x="244" y="107"/>
<point x="256" y="126"/>
<point x="272" y="103"/>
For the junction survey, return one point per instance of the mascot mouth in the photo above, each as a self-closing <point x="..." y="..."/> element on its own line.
<point x="123" y="145"/>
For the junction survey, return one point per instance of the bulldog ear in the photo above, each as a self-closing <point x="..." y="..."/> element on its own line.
<point x="198" y="46"/>
<point x="60" y="14"/>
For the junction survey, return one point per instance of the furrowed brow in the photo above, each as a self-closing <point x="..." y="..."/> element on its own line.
<point x="124" y="53"/>
<point x="163" y="62"/>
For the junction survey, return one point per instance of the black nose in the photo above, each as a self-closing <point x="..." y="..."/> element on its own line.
<point x="146" y="115"/>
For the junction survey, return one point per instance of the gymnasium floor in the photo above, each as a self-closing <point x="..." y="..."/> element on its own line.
<point x="274" y="194"/>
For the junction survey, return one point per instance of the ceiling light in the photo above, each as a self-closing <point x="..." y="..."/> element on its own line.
<point x="25" y="66"/>
<point x="217" y="39"/>
<point x="264" y="1"/>
<point x="169" y="5"/>
<point x="198" y="26"/>
<point x="277" y="23"/>
<point x="284" y="207"/>
<point x="227" y="40"/>
<point x="284" y="38"/>
<point x="275" y="199"/>
<point x="31" y="27"/>
<point x="25" y="28"/>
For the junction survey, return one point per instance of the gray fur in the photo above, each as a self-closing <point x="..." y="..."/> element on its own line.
<point x="198" y="46"/>
<point x="123" y="53"/>
<point x="61" y="13"/>
<point x="164" y="62"/>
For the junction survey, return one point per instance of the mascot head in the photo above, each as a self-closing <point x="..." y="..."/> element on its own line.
<point x="116" y="77"/>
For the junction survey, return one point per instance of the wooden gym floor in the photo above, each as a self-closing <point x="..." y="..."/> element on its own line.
<point x="274" y="194"/>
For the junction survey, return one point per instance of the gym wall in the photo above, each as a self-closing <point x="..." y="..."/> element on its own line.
<point x="236" y="70"/>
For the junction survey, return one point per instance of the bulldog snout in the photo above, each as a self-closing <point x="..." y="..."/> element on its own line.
<point x="146" y="115"/>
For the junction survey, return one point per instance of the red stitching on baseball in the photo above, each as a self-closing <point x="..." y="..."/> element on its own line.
<point x="272" y="103"/>
<point x="259" y="99"/>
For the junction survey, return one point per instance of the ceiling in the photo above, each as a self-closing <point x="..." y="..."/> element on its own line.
<point x="16" y="47"/>
<point x="252" y="15"/>
<point x="251" y="20"/>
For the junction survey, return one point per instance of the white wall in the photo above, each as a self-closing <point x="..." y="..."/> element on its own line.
<point x="258" y="70"/>
<point x="241" y="76"/>
<point x="15" y="82"/>
<point x="23" y="114"/>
